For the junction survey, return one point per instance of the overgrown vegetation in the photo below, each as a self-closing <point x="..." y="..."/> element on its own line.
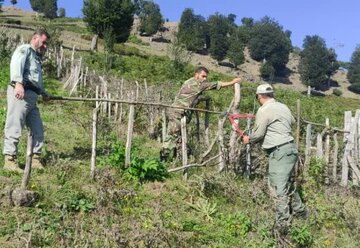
<point x="142" y="206"/>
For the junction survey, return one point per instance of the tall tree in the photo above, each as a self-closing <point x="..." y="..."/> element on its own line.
<point x="354" y="70"/>
<point x="192" y="31"/>
<point x="151" y="19"/>
<point x="50" y="9"/>
<point x="270" y="43"/>
<point x="62" y="12"/>
<point x="13" y="2"/>
<point x="314" y="61"/>
<point x="219" y="29"/>
<point x="237" y="43"/>
<point x="104" y="15"/>
<point x="37" y="5"/>
<point x="46" y="7"/>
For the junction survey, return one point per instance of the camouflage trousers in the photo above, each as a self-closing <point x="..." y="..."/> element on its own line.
<point x="282" y="188"/>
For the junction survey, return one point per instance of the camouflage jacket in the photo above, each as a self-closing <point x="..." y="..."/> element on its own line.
<point x="189" y="94"/>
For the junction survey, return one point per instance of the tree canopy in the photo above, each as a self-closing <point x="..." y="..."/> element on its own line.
<point x="47" y="7"/>
<point x="269" y="43"/>
<point x="150" y="16"/>
<point x="314" y="61"/>
<point x="354" y="70"/>
<point x="104" y="15"/>
<point x="219" y="30"/>
<point x="193" y="31"/>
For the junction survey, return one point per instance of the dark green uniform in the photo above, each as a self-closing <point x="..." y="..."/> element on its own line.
<point x="273" y="126"/>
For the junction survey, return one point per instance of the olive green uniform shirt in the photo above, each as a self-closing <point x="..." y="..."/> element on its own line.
<point x="25" y="66"/>
<point x="272" y="125"/>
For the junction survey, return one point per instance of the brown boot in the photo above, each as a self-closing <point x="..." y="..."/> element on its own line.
<point x="10" y="164"/>
<point x="36" y="162"/>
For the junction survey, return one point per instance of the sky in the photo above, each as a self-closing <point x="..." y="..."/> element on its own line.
<point x="337" y="22"/>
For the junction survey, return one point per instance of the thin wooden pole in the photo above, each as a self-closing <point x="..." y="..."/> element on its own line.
<point x="297" y="142"/>
<point x="345" y="165"/>
<point x="335" y="157"/>
<point x="184" y="147"/>
<point x="94" y="135"/>
<point x="29" y="154"/>
<point x="129" y="134"/>
<point x="327" y="151"/>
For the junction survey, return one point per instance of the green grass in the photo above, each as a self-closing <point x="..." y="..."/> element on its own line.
<point x="209" y="210"/>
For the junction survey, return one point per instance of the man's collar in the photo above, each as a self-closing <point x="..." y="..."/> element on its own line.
<point x="270" y="100"/>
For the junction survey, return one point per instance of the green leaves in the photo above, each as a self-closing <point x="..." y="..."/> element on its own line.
<point x="115" y="15"/>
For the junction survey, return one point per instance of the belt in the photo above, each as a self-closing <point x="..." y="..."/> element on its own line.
<point x="270" y="150"/>
<point x="27" y="86"/>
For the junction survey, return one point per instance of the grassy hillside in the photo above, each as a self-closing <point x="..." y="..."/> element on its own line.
<point x="144" y="206"/>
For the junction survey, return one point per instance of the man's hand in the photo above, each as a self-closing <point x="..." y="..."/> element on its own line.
<point x="246" y="139"/>
<point x="19" y="91"/>
<point x="236" y="80"/>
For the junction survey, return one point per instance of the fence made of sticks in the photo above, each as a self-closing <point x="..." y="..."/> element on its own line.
<point x="118" y="100"/>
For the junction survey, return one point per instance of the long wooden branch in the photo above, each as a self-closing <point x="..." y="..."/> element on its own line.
<point x="322" y="125"/>
<point x="62" y="98"/>
<point x="193" y="165"/>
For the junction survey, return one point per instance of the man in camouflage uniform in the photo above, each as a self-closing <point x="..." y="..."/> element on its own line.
<point x="273" y="127"/>
<point x="188" y="96"/>
<point x="22" y="94"/>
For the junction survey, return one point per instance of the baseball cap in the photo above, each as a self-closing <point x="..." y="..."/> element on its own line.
<point x="264" y="88"/>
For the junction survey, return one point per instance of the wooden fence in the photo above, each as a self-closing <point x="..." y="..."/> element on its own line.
<point x="341" y="158"/>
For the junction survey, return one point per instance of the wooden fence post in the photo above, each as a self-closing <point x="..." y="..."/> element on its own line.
<point x="233" y="146"/>
<point x="345" y="166"/>
<point x="307" y="147"/>
<point x="222" y="159"/>
<point x="129" y="134"/>
<point x="248" y="152"/>
<point x="327" y="150"/>
<point x="94" y="135"/>
<point x="29" y="154"/>
<point x="184" y="146"/>
<point x="297" y="142"/>
<point x="335" y="157"/>
<point x="319" y="146"/>
<point x="207" y="116"/>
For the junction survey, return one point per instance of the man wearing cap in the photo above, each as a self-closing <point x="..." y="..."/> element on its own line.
<point x="188" y="97"/>
<point x="23" y="91"/>
<point x="273" y="126"/>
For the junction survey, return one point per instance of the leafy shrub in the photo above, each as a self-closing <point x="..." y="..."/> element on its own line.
<point x="236" y="225"/>
<point x="301" y="235"/>
<point x="267" y="71"/>
<point x="134" y="39"/>
<point x="126" y="50"/>
<point x="316" y="169"/>
<point x="145" y="170"/>
<point x="140" y="169"/>
<point x="337" y="92"/>
<point x="80" y="203"/>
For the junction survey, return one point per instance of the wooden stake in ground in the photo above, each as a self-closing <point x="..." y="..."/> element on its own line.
<point x="29" y="154"/>
<point x="94" y="135"/>
<point x="335" y="157"/>
<point x="129" y="134"/>
<point x="184" y="147"/>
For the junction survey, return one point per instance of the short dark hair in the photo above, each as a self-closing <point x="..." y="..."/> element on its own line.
<point x="201" y="68"/>
<point x="41" y="32"/>
<point x="270" y="94"/>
